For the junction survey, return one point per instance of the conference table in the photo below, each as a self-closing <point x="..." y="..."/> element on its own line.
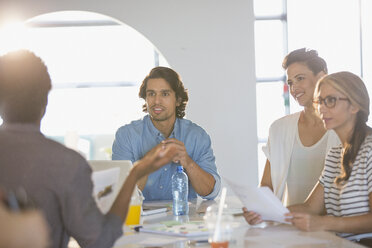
<point x="267" y="234"/>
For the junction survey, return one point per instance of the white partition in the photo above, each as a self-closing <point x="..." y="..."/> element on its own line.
<point x="211" y="44"/>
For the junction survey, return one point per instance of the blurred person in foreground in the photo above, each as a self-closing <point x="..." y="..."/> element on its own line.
<point x="56" y="179"/>
<point x="26" y="229"/>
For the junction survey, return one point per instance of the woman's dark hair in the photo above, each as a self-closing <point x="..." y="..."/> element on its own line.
<point x="24" y="86"/>
<point x="173" y="79"/>
<point x="308" y="57"/>
<point x="355" y="90"/>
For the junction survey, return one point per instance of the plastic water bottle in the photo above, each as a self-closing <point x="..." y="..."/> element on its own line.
<point x="180" y="192"/>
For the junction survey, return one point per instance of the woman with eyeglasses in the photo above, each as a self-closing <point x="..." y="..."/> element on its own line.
<point x="341" y="201"/>
<point x="297" y="143"/>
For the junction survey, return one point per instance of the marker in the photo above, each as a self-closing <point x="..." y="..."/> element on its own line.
<point x="198" y="242"/>
<point x="137" y="228"/>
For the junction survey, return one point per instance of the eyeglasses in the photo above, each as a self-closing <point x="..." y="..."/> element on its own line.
<point x="329" y="101"/>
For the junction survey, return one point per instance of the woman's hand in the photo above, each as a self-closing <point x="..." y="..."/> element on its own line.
<point x="251" y="217"/>
<point x="306" y="222"/>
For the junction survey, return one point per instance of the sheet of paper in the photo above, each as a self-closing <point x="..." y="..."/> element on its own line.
<point x="147" y="240"/>
<point x="104" y="183"/>
<point x="176" y="228"/>
<point x="157" y="241"/>
<point x="153" y="218"/>
<point x="260" y="200"/>
<point x="149" y="211"/>
<point x="158" y="204"/>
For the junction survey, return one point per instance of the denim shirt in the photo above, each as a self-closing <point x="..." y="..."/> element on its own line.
<point x="134" y="140"/>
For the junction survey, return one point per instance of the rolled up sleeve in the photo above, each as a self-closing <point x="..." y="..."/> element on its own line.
<point x="121" y="149"/>
<point x="207" y="161"/>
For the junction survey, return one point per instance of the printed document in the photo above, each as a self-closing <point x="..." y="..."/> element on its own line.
<point x="260" y="200"/>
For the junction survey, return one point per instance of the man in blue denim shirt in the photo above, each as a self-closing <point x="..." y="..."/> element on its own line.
<point x="165" y="101"/>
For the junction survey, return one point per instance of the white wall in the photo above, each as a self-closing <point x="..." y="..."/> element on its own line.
<point x="211" y="44"/>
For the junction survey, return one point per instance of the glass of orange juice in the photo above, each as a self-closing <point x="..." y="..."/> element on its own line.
<point x="134" y="213"/>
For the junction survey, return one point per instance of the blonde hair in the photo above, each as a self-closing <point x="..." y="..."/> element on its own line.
<point x="355" y="90"/>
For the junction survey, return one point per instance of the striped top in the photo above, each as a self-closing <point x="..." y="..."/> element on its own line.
<point x="352" y="198"/>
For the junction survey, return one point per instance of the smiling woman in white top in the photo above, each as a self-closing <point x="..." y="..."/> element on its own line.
<point x="297" y="143"/>
<point x="341" y="200"/>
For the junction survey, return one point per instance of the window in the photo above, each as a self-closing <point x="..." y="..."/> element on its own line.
<point x="270" y="48"/>
<point x="343" y="38"/>
<point x="334" y="34"/>
<point x="366" y="46"/>
<point x="96" y="65"/>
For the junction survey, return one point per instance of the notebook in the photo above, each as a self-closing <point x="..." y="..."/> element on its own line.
<point x="108" y="177"/>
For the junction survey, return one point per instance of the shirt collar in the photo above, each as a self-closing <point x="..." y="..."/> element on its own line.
<point x="21" y="127"/>
<point x="156" y="132"/>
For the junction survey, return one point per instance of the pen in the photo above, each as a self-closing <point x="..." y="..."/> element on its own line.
<point x="198" y="242"/>
<point x="238" y="214"/>
<point x="137" y="228"/>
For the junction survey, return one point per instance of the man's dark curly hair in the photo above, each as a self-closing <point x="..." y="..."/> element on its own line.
<point x="174" y="80"/>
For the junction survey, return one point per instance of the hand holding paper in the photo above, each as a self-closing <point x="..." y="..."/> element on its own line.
<point x="260" y="200"/>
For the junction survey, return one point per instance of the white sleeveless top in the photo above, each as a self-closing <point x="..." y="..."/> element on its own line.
<point x="306" y="165"/>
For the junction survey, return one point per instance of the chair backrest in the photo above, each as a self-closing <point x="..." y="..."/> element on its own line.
<point x="108" y="177"/>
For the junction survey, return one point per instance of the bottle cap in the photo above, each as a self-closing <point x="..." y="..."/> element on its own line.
<point x="179" y="168"/>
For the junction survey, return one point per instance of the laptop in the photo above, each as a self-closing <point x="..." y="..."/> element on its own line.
<point x="108" y="177"/>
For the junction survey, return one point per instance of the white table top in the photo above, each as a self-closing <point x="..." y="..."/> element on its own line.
<point x="266" y="235"/>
